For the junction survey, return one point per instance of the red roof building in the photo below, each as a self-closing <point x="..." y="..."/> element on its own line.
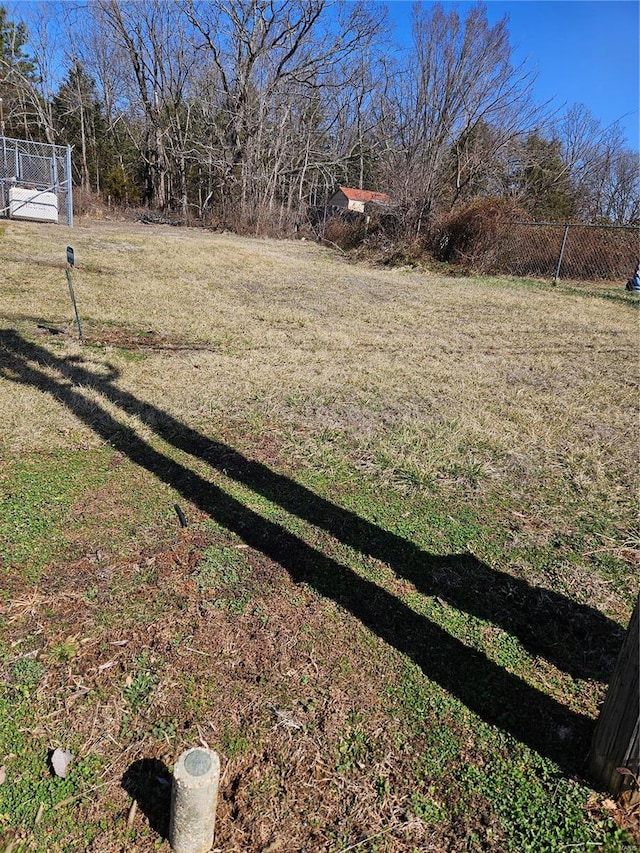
<point x="357" y="200"/>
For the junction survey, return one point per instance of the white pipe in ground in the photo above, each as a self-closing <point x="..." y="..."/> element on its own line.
<point x="193" y="801"/>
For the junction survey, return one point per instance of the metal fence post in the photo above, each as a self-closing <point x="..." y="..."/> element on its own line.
<point x="556" y="277"/>
<point x="69" y="190"/>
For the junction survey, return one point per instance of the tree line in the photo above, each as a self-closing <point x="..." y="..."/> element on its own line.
<point x="249" y="113"/>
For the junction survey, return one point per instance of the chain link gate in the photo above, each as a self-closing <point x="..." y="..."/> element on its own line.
<point x="35" y="181"/>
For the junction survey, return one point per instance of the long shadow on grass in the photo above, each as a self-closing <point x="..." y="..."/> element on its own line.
<point x="576" y="638"/>
<point x="498" y="696"/>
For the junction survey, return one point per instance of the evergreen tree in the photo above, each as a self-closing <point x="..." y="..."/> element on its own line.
<point x="80" y="122"/>
<point x="544" y="181"/>
<point x="474" y="167"/>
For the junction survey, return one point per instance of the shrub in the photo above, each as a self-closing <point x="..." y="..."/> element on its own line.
<point x="473" y="235"/>
<point x="347" y="232"/>
<point x="492" y="236"/>
<point x="88" y="203"/>
<point x="119" y="188"/>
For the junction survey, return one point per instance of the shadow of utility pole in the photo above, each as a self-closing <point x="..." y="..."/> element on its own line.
<point x="540" y="618"/>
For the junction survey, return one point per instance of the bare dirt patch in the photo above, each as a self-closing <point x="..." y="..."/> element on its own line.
<point x="279" y="690"/>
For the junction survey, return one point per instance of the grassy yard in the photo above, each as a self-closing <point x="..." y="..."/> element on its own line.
<point x="410" y="552"/>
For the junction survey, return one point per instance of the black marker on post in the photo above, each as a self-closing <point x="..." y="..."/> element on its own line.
<point x="70" y="263"/>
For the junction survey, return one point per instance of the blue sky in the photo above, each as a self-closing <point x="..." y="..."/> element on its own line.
<point x="584" y="51"/>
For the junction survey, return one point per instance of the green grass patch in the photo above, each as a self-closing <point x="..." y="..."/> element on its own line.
<point x="538" y="809"/>
<point x="223" y="576"/>
<point x="37" y="496"/>
<point x="36" y="805"/>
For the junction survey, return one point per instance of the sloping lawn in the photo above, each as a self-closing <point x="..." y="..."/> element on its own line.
<point x="410" y="552"/>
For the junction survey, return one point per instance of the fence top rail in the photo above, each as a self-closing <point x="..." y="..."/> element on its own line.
<point x="581" y="225"/>
<point x="24" y="144"/>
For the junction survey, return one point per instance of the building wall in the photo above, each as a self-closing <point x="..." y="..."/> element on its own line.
<point x="338" y="199"/>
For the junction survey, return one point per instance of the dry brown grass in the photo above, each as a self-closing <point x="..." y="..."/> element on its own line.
<point x="507" y="388"/>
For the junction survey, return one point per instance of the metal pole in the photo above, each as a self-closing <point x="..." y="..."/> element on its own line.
<point x="70" y="263"/>
<point x="5" y="171"/>
<point x="69" y="190"/>
<point x="73" y="299"/>
<point x="556" y="277"/>
<point x="54" y="170"/>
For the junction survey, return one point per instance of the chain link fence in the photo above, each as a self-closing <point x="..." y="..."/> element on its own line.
<point x="35" y="181"/>
<point x="574" y="252"/>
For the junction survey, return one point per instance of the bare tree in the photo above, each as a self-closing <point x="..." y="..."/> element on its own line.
<point x="457" y="79"/>
<point x="623" y="202"/>
<point x="255" y="109"/>
<point x="271" y="64"/>
<point x="154" y="62"/>
<point x="604" y="173"/>
<point x="29" y="78"/>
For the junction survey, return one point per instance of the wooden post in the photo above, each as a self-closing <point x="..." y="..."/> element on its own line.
<point x="616" y="740"/>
